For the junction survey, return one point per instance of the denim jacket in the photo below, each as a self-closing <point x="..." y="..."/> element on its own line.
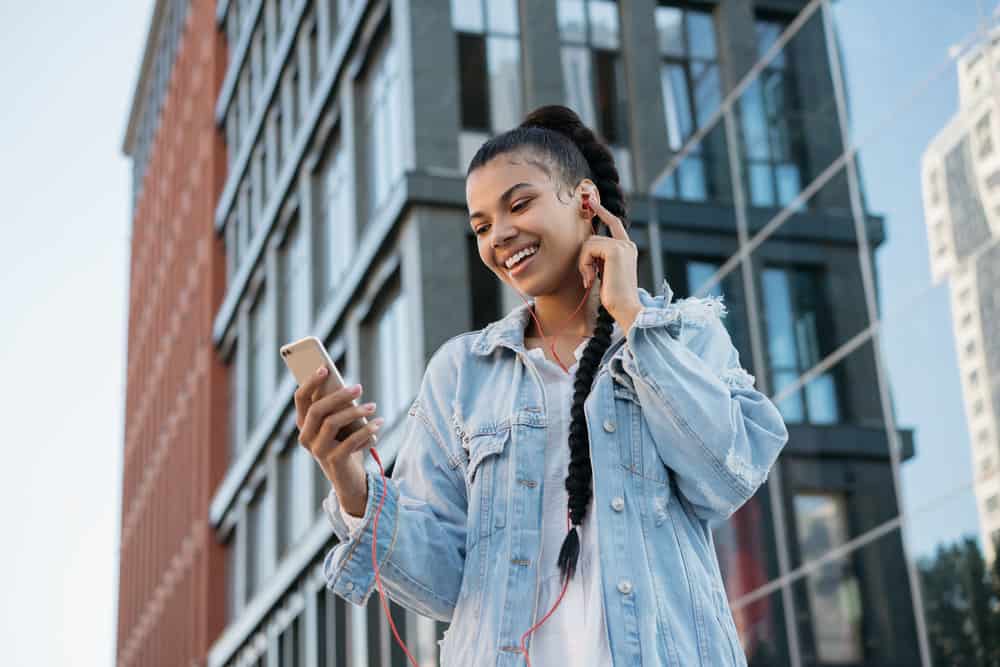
<point x="679" y="438"/>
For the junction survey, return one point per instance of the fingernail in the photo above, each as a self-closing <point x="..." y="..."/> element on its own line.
<point x="356" y="389"/>
<point x="322" y="371"/>
<point x="377" y="422"/>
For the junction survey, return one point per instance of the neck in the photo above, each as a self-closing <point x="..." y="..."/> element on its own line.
<point x="555" y="312"/>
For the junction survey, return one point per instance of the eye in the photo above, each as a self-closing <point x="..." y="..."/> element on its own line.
<point x="479" y="230"/>
<point x="520" y="205"/>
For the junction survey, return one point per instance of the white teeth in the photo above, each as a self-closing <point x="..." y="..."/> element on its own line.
<point x="521" y="255"/>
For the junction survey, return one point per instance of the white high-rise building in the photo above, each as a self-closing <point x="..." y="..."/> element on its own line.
<point x="961" y="193"/>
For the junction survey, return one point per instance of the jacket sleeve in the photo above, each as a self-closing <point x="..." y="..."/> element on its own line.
<point x="421" y="527"/>
<point x="710" y="426"/>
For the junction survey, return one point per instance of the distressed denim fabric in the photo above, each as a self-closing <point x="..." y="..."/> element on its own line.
<point x="679" y="439"/>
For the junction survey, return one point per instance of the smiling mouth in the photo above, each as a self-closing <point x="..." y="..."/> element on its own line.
<point x="517" y="267"/>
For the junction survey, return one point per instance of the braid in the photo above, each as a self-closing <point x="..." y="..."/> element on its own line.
<point x="579" y="480"/>
<point x="576" y="152"/>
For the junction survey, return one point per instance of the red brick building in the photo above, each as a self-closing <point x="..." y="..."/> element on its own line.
<point x="171" y="593"/>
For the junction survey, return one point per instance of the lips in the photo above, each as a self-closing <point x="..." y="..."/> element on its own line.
<point x="519" y="267"/>
<point x="503" y="261"/>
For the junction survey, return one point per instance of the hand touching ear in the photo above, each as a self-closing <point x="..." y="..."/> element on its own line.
<point x="616" y="258"/>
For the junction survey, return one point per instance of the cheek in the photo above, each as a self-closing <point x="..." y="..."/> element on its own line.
<point x="485" y="258"/>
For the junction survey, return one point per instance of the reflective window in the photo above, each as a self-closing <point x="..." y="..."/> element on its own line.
<point x="295" y="495"/>
<point x="468" y="16"/>
<point x="395" y="379"/>
<point x="382" y="124"/>
<point x="475" y="85"/>
<point x="771" y="127"/>
<point x="594" y="75"/>
<point x="277" y="141"/>
<point x="261" y="351"/>
<point x="691" y="90"/>
<point x="312" y="53"/>
<point x="235" y="397"/>
<point x="795" y="316"/>
<point x="294" y="292"/>
<point x="290" y="649"/>
<point x="331" y="629"/>
<point x="232" y="575"/>
<point x="259" y="560"/>
<point x="489" y="70"/>
<point x="833" y="590"/>
<point x="334" y="214"/>
<point x="264" y="175"/>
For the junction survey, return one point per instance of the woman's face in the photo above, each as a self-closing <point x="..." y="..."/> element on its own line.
<point x="514" y="204"/>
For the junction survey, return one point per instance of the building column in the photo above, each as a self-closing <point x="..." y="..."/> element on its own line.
<point x="646" y="120"/>
<point x="428" y="57"/>
<point x="541" y="60"/>
<point x="442" y="275"/>
<point x="736" y="41"/>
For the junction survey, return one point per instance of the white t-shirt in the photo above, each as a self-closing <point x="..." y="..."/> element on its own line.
<point x="576" y="633"/>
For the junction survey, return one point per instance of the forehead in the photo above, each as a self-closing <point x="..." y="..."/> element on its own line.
<point x="484" y="186"/>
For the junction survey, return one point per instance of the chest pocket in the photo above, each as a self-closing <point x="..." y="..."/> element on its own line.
<point x="486" y="480"/>
<point x="635" y="442"/>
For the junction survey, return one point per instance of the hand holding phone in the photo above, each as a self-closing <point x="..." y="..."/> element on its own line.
<point x="332" y="426"/>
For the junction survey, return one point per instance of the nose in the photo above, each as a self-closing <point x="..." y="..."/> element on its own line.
<point x="502" y="234"/>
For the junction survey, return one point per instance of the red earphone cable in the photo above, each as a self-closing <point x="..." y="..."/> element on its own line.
<point x="542" y="331"/>
<point x="378" y="581"/>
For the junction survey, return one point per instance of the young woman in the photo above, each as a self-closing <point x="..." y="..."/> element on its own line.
<point x="557" y="513"/>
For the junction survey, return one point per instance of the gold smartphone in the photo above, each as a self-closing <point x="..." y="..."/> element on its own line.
<point x="303" y="357"/>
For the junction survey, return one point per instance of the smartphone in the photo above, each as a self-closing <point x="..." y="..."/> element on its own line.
<point x="303" y="357"/>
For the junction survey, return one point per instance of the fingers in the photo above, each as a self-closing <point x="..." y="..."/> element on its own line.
<point x="304" y="394"/>
<point x="592" y="204"/>
<point x="332" y="451"/>
<point x="361" y="438"/>
<point x="615" y="224"/>
<point x="588" y="266"/>
<point x="327" y="416"/>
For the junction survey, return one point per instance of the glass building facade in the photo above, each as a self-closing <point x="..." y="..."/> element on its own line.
<point x="842" y="200"/>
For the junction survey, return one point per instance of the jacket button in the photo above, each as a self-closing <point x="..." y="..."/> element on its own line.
<point x="625" y="586"/>
<point x="349" y="585"/>
<point x="618" y="503"/>
<point x="609" y="425"/>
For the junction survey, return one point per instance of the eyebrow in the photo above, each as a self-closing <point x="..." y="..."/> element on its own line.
<point x="504" y="198"/>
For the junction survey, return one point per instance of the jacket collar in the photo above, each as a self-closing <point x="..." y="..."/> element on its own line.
<point x="509" y="331"/>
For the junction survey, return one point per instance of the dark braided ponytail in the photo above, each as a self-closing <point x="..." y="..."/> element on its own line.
<point x="561" y="140"/>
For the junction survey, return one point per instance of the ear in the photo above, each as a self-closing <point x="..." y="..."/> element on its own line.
<point x="587" y="187"/>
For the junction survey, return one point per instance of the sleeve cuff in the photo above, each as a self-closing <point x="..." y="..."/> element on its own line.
<point x="345" y="526"/>
<point x="348" y="566"/>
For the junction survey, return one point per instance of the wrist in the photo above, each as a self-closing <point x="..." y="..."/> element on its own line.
<point x="625" y="317"/>
<point x="351" y="488"/>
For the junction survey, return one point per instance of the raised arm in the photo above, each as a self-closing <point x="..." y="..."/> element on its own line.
<point x="710" y="425"/>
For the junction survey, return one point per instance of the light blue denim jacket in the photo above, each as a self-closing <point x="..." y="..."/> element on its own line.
<point x="679" y="437"/>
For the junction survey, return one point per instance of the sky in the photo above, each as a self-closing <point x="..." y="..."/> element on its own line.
<point x="68" y="73"/>
<point x="913" y="85"/>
